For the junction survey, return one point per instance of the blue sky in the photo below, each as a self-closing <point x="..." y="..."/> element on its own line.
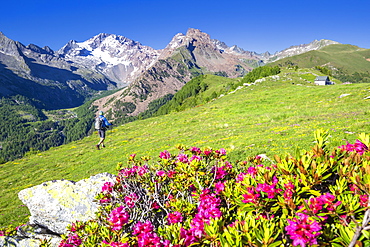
<point x="259" y="25"/>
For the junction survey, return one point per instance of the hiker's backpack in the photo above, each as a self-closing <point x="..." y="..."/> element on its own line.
<point x="98" y="123"/>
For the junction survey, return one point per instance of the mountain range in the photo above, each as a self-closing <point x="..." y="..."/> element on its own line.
<point x="81" y="70"/>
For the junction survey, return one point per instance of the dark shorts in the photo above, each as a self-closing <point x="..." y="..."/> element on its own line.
<point x="101" y="133"/>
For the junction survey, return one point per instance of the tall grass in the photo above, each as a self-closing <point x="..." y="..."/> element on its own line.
<point x="271" y="117"/>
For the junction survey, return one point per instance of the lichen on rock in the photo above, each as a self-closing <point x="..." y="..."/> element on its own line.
<point x="56" y="204"/>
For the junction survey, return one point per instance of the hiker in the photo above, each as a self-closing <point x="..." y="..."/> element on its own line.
<point x="101" y="124"/>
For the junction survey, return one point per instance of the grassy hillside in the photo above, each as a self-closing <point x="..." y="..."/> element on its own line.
<point x="275" y="116"/>
<point x="342" y="59"/>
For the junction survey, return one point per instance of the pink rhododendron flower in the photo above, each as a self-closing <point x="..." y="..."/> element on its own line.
<point x="220" y="172"/>
<point x="357" y="147"/>
<point x="174" y="218"/>
<point x="207" y="152"/>
<point x="188" y="236"/>
<point x="171" y="174"/>
<point x="141" y="227"/>
<point x="197" y="227"/>
<point x="364" y="200"/>
<point x="240" y="177"/>
<point x="117" y="218"/>
<point x="289" y="190"/>
<point x="165" y="155"/>
<point x="183" y="158"/>
<point x="71" y="241"/>
<point x="271" y="190"/>
<point x="219" y="186"/>
<point x="195" y="150"/>
<point x="303" y="230"/>
<point x="322" y="204"/>
<point x="131" y="199"/>
<point x="195" y="157"/>
<point x="155" y="205"/>
<point x="207" y="210"/>
<point x="105" y="200"/>
<point x="252" y="171"/>
<point x="354" y="188"/>
<point x="148" y="239"/>
<point x="222" y="151"/>
<point x="125" y="173"/>
<point x="251" y="196"/>
<point x="161" y="173"/>
<point x="142" y="170"/>
<point x="107" y="187"/>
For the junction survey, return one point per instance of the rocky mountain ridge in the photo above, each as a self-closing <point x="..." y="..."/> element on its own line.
<point x="65" y="78"/>
<point x="44" y="76"/>
<point x="120" y="59"/>
<point x="299" y="49"/>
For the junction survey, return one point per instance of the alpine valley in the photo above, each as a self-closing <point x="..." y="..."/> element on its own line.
<point x="108" y="72"/>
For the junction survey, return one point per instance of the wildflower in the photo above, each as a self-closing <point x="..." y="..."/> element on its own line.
<point x="240" y="177"/>
<point x="252" y="171"/>
<point x="195" y="150"/>
<point x="221" y="152"/>
<point x="71" y="241"/>
<point x="183" y="158"/>
<point x="188" y="237"/>
<point x="148" y="239"/>
<point x="207" y="151"/>
<point x="322" y="204"/>
<point x="364" y="199"/>
<point x="250" y="196"/>
<point x="220" y="172"/>
<point x="219" y="186"/>
<point x="117" y="218"/>
<point x="357" y="147"/>
<point x="171" y="174"/>
<point x="141" y="171"/>
<point x="161" y="173"/>
<point x="174" y="217"/>
<point x="271" y="190"/>
<point x="155" y="205"/>
<point x="165" y="155"/>
<point x="141" y="227"/>
<point x="195" y="157"/>
<point x="108" y="187"/>
<point x="303" y="230"/>
<point x="131" y="199"/>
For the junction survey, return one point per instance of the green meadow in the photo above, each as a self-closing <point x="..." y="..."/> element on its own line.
<point x="275" y="116"/>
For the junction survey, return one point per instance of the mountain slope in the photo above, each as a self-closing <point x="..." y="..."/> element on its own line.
<point x="275" y="115"/>
<point x="184" y="57"/>
<point x="120" y="59"/>
<point x="299" y="49"/>
<point x="342" y="60"/>
<point x="40" y="74"/>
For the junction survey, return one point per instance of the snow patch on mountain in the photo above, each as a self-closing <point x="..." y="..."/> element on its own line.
<point x="118" y="57"/>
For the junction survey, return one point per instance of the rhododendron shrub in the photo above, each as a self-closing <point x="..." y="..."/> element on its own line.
<point x="318" y="197"/>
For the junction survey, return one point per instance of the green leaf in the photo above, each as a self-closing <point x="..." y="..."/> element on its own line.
<point x="366" y="234"/>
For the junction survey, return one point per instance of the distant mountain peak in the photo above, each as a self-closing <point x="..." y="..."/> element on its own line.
<point x="119" y="58"/>
<point x="299" y="49"/>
